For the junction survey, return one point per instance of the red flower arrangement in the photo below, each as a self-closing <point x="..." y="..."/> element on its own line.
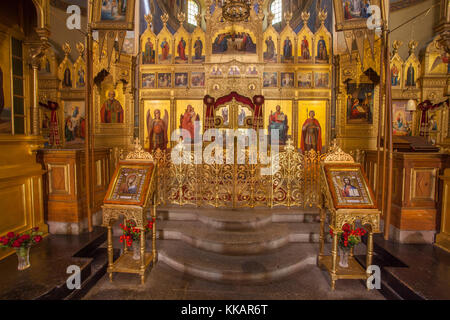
<point x="348" y="237"/>
<point x="24" y="240"/>
<point x="131" y="233"/>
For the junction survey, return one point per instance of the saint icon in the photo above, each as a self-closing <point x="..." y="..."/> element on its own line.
<point x="181" y="49"/>
<point x="111" y="111"/>
<point x="305" y="55"/>
<point x="278" y="121"/>
<point x="311" y="134"/>
<point x="157" y="129"/>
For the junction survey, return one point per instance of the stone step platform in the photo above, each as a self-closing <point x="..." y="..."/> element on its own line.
<point x="266" y="238"/>
<point x="265" y="267"/>
<point x="240" y="219"/>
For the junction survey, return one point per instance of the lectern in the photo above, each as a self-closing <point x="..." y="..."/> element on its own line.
<point x="347" y="198"/>
<point x="131" y="193"/>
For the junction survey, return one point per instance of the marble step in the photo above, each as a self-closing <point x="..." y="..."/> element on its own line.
<point x="270" y="237"/>
<point x="242" y="219"/>
<point x="265" y="267"/>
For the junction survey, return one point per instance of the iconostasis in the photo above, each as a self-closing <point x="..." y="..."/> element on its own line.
<point x="65" y="84"/>
<point x="292" y="70"/>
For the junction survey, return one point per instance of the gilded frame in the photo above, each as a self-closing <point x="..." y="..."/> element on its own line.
<point x="98" y="24"/>
<point x="355" y="23"/>
<point x="364" y="183"/>
<point x="142" y="195"/>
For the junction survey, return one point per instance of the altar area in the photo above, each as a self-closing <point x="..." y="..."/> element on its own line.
<point x="237" y="120"/>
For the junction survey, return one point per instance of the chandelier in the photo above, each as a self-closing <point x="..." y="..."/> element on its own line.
<point x="236" y="10"/>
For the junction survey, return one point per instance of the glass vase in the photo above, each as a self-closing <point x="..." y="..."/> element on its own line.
<point x="23" y="257"/>
<point x="136" y="246"/>
<point x="344" y="254"/>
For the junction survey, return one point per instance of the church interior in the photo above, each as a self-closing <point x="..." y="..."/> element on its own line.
<point x="224" y="150"/>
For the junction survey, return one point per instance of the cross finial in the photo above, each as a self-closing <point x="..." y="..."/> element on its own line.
<point x="66" y="48"/>
<point x="412" y="46"/>
<point x="149" y="19"/>
<point x="322" y="16"/>
<point x="289" y="145"/>
<point x="305" y="17"/>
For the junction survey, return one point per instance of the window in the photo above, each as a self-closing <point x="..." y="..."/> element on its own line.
<point x="192" y="12"/>
<point x="18" y="90"/>
<point x="275" y="7"/>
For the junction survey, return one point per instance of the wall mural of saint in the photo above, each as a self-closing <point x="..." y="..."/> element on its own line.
<point x="157" y="129"/>
<point x="67" y="81"/>
<point x="410" y="76"/>
<point x="198" y="51"/>
<point x="322" y="53"/>
<point x="111" y="110"/>
<point x="395" y="76"/>
<point x="305" y="54"/>
<point x="80" y="78"/>
<point x="270" y="54"/>
<point x="165" y="55"/>
<point x="187" y="121"/>
<point x="148" y="56"/>
<point x="287" y="51"/>
<point x="278" y="121"/>
<point x="311" y="134"/>
<point x="181" y="51"/>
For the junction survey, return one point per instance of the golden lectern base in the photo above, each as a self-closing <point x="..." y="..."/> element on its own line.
<point x="126" y="264"/>
<point x="354" y="270"/>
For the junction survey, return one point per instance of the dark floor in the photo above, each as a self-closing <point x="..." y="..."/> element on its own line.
<point x="427" y="271"/>
<point x="49" y="261"/>
<point x="413" y="271"/>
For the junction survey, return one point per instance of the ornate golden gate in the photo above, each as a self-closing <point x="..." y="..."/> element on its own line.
<point x="295" y="184"/>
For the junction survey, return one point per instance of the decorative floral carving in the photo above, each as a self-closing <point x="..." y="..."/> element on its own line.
<point x="336" y="154"/>
<point x="138" y="153"/>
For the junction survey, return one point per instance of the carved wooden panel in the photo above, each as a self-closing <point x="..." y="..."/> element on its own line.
<point x="423" y="184"/>
<point x="59" y="178"/>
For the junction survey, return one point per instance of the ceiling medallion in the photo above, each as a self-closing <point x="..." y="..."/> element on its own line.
<point x="236" y="10"/>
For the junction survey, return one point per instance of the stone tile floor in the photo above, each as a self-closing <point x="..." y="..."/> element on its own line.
<point x="164" y="283"/>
